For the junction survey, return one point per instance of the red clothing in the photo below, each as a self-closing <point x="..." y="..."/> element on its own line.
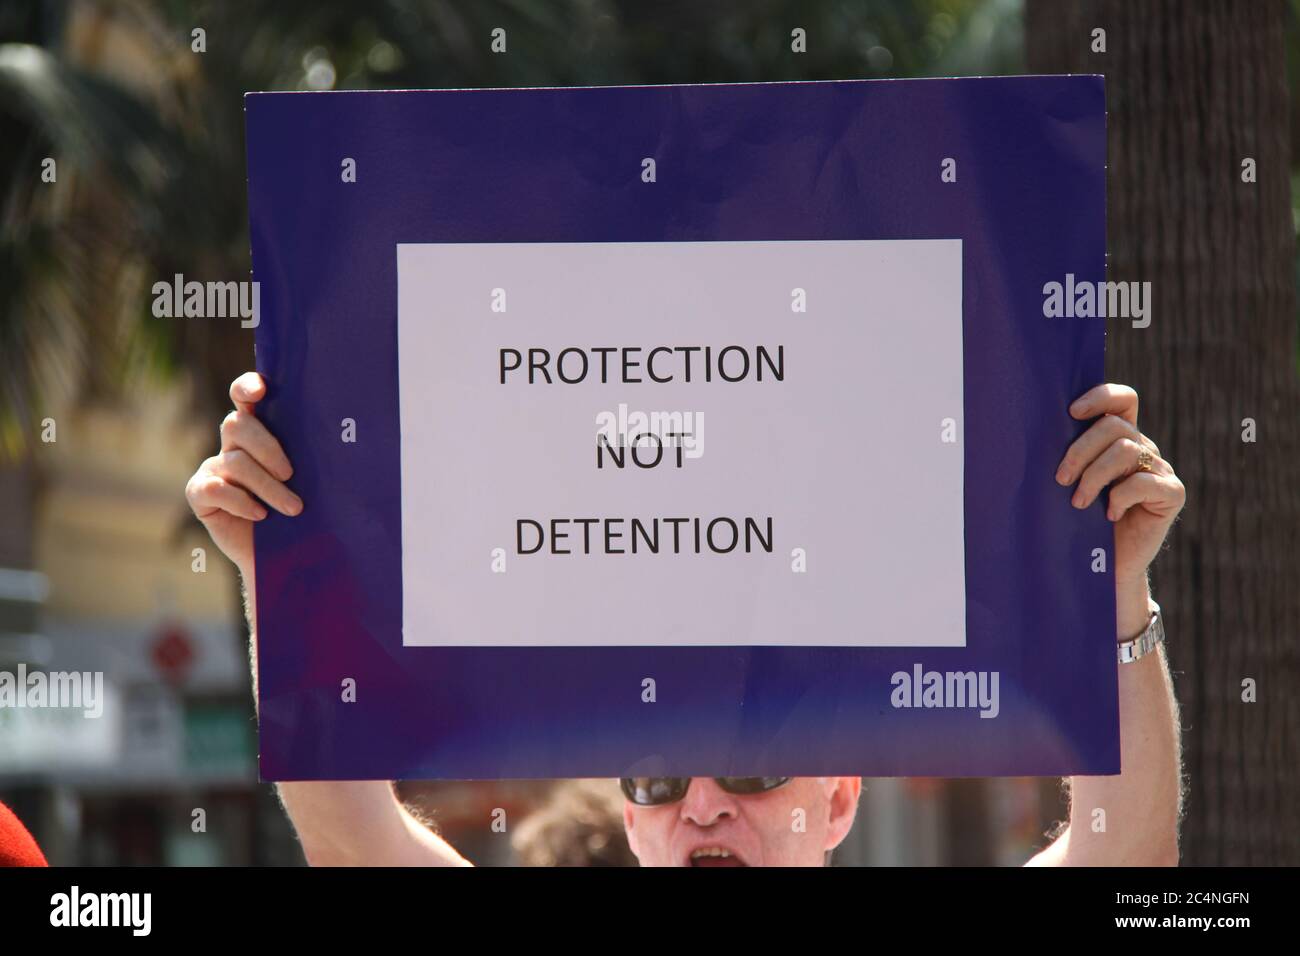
<point x="17" y="848"/>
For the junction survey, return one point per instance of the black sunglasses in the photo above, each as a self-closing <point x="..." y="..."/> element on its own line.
<point x="661" y="791"/>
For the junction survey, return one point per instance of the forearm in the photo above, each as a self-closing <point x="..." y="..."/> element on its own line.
<point x="351" y="822"/>
<point x="361" y="823"/>
<point x="1131" y="819"/>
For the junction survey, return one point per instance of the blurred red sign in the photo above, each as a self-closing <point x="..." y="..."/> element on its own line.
<point x="172" y="653"/>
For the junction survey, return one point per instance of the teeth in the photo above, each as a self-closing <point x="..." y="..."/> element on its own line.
<point x="709" y="851"/>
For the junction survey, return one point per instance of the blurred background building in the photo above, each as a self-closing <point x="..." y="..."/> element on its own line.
<point x="98" y="563"/>
<point x="99" y="577"/>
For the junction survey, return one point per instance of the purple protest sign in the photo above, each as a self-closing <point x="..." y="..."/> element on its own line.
<point x="703" y="430"/>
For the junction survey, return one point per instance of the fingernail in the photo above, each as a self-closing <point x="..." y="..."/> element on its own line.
<point x="1078" y="408"/>
<point x="260" y="513"/>
<point x="1077" y="500"/>
<point x="295" y="506"/>
<point x="1063" y="475"/>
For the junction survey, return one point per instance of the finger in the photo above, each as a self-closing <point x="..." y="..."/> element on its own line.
<point x="1117" y="461"/>
<point x="1109" y="398"/>
<point x="1162" y="495"/>
<point x="1084" y="451"/>
<point x="238" y="466"/>
<point x="247" y="390"/>
<point x="209" y="493"/>
<point x="242" y="430"/>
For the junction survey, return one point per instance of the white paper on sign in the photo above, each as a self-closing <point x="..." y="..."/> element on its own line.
<point x="815" y="501"/>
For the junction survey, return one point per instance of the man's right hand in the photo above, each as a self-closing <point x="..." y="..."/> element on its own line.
<point x="233" y="488"/>
<point x="348" y="823"/>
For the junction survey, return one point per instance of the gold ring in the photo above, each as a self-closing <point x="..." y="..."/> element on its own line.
<point x="1144" y="459"/>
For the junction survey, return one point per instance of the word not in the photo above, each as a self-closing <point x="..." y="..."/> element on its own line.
<point x="675" y="429"/>
<point x="689" y="535"/>
<point x="652" y="444"/>
<point x="208" y="300"/>
<point x="103" y="909"/>
<point x="1087" y="300"/>
<point x="72" y="689"/>
<point x="953" y="689"/>
<point x="687" y="363"/>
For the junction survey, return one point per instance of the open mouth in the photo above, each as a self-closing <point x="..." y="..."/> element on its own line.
<point x="714" y="856"/>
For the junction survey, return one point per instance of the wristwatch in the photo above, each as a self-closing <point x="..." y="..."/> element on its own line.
<point x="1147" y="641"/>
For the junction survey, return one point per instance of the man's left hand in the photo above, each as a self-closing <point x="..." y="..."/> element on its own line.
<point x="1145" y="494"/>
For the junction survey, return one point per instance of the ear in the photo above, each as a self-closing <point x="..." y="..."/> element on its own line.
<point x="843" y="809"/>
<point x="629" y="818"/>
